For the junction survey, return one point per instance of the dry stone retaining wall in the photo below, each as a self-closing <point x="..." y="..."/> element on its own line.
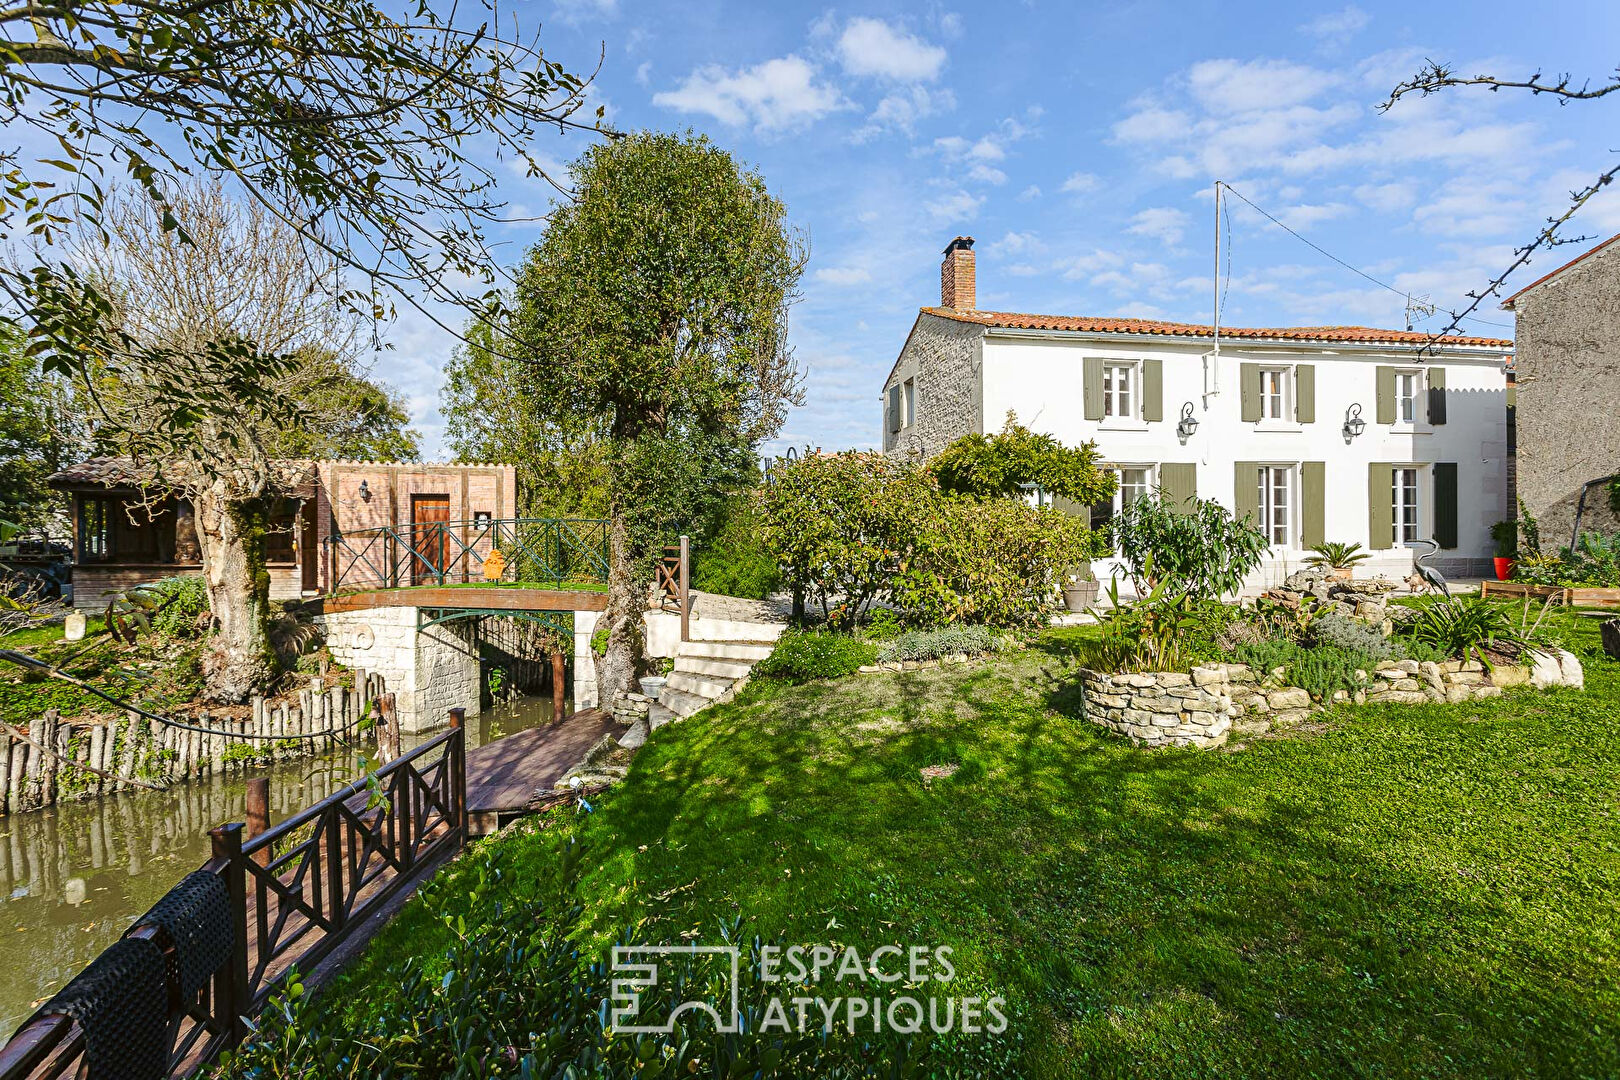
<point x="1206" y="706"/>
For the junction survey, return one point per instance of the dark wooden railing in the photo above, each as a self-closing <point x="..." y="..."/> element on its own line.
<point x="674" y="582"/>
<point x="297" y="892"/>
<point x="552" y="551"/>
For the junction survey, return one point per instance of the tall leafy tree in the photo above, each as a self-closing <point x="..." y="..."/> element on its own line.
<point x="374" y="132"/>
<point x="653" y="314"/>
<point x="194" y="307"/>
<point x="42" y="428"/>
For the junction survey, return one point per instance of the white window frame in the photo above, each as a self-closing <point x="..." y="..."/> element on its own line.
<point x="1149" y="486"/>
<point x="1267" y="506"/>
<point x="1284" y="398"/>
<point x="1112" y="395"/>
<point x="1414" y="518"/>
<point x="908" y="403"/>
<point x="1418" y="398"/>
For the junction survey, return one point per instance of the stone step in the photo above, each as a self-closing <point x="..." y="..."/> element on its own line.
<point x="703" y="665"/>
<point x="709" y="686"/>
<point x="637" y="735"/>
<point x="681" y="703"/>
<point x="745" y="651"/>
<point x="734" y="630"/>
<point x="658" y="716"/>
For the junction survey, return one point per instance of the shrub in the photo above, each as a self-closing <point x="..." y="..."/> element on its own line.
<point x="883" y="625"/>
<point x="736" y="561"/>
<point x="802" y="655"/>
<point x="1332" y="555"/>
<point x="1342" y="632"/>
<point x="994" y="561"/>
<point x="988" y="465"/>
<point x="1464" y="627"/>
<point x="1197" y="546"/>
<point x="1319" y="671"/>
<point x="947" y="641"/>
<point x="183" y="600"/>
<point x="1594" y="562"/>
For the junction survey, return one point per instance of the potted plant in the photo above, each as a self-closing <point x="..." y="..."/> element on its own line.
<point x="1505" y="535"/>
<point x="1337" y="559"/>
<point x="1079" y="588"/>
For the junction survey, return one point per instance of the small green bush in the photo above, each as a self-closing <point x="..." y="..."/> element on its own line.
<point x="802" y="655"/>
<point x="735" y="561"/>
<point x="883" y="625"/>
<point x="1319" y="670"/>
<point x="947" y="641"/>
<point x="1352" y="635"/>
<point x="184" y="601"/>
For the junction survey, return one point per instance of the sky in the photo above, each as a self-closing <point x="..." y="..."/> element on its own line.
<point x="1079" y="144"/>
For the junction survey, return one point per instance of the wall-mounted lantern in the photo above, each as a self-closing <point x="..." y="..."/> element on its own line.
<point x="1188" y="423"/>
<point x="1353" y="423"/>
<point x="365" y="492"/>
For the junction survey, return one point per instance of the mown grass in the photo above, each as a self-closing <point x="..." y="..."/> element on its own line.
<point x="1395" y="891"/>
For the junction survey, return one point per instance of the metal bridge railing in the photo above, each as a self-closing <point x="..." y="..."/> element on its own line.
<point x="551" y="551"/>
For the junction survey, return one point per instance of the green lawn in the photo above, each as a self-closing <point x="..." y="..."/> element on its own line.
<point x="1396" y="891"/>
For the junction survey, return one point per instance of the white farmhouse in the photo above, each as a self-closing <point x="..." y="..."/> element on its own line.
<point x="1336" y="433"/>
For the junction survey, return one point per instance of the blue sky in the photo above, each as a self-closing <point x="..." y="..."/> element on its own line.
<point x="1079" y="143"/>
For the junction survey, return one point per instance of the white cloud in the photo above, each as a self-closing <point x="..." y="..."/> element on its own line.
<point x="872" y="48"/>
<point x="1337" y="24"/>
<point x="987" y="174"/>
<point x="1237" y="86"/>
<point x="1387" y="198"/>
<point x="843" y="275"/>
<point x="643" y="73"/>
<point x="1079" y="183"/>
<point x="776" y="95"/>
<point x="1018" y="243"/>
<point x="900" y="110"/>
<point x="1163" y="223"/>
<point x="1031" y="192"/>
<point x="956" y="205"/>
<point x="1306" y="215"/>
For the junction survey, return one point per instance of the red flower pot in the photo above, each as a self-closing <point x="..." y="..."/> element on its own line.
<point x="1504" y="568"/>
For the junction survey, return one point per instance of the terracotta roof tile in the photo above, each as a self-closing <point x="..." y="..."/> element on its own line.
<point x="1324" y="334"/>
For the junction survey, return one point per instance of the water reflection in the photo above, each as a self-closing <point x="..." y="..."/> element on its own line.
<point x="72" y="877"/>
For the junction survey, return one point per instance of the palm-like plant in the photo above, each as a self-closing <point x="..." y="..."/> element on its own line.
<point x="1465" y="627"/>
<point x="1331" y="555"/>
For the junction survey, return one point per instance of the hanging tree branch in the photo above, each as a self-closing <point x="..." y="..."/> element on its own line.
<point x="1435" y="77"/>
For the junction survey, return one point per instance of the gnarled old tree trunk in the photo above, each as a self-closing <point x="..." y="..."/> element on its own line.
<point x="627" y="599"/>
<point x="230" y="533"/>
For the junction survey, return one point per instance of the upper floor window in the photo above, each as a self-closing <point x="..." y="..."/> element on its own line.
<point x="1276" y="394"/>
<point x="1408" y="389"/>
<point x="1119" y="391"/>
<point x="909" y="398"/>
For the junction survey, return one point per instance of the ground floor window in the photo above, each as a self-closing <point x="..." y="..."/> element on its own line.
<point x="93" y="528"/>
<point x="1277" y="504"/>
<point x="1405" y="496"/>
<point x="1135" y="481"/>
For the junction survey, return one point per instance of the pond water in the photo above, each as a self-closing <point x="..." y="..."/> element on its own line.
<point x="73" y="877"/>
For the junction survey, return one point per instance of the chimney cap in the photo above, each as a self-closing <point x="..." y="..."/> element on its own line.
<point x="961" y="243"/>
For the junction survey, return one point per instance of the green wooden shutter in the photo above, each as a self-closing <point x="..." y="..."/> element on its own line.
<point x="1437" y="395"/>
<point x="1152" y="390"/>
<point x="1313" y="503"/>
<point x="1386" y="406"/>
<point x="1380" y="506"/>
<point x="1092" y="367"/>
<point x="1178" y="482"/>
<point x="1445" y="503"/>
<point x="1249" y="392"/>
<point x="1246" y="491"/>
<point x="1305" y="393"/>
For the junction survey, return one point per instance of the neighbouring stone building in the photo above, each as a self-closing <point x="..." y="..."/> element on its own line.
<point x="1567" y="384"/>
<point x="124" y="536"/>
<point x="1319" y="433"/>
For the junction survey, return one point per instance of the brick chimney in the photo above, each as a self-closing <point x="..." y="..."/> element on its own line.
<point x="956" y="276"/>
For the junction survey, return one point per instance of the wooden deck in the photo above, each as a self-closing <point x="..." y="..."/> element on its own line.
<point x="504" y="774"/>
<point x="494" y="598"/>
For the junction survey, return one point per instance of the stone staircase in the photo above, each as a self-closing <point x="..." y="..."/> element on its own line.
<point x="710" y="668"/>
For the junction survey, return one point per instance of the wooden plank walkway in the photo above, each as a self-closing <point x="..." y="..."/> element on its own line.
<point x="502" y="775"/>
